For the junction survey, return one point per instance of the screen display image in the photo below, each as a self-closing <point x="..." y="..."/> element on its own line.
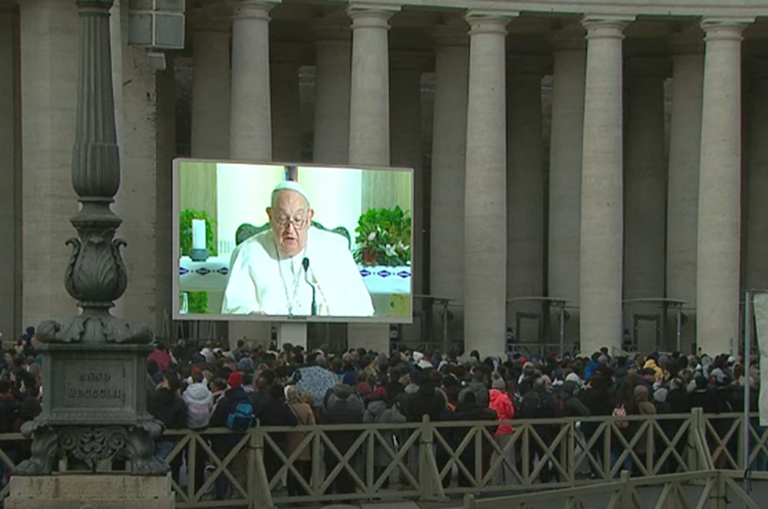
<point x="291" y="241"/>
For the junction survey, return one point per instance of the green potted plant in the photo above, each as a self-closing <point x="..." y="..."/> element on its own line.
<point x="384" y="238"/>
<point x="198" y="301"/>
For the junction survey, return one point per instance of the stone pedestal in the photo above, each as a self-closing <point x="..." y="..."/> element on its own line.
<point x="91" y="491"/>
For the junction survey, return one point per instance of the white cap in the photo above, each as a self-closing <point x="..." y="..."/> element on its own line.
<point x="290" y="185"/>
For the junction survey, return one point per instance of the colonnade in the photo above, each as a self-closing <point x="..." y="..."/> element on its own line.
<point x="613" y="218"/>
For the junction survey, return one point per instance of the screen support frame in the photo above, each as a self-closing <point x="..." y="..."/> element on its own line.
<point x="294" y="333"/>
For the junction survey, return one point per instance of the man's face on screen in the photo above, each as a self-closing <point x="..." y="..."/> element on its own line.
<point x="290" y="218"/>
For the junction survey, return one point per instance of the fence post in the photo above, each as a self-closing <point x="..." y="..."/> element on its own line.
<point x="469" y="502"/>
<point x="697" y="442"/>
<point x="626" y="489"/>
<point x="261" y="497"/>
<point x="429" y="476"/>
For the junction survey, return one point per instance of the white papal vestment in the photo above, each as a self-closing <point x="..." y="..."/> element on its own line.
<point x="261" y="280"/>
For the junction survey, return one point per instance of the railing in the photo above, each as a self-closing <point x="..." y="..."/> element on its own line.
<point x="432" y="461"/>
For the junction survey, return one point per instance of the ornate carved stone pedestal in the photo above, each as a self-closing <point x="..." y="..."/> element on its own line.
<point x="91" y="491"/>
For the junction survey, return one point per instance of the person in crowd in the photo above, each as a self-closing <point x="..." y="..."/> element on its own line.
<point x="232" y="412"/>
<point x="298" y="404"/>
<point x="342" y="406"/>
<point x="199" y="404"/>
<point x="166" y="406"/>
<point x="161" y="357"/>
<point x="379" y="411"/>
<point x="500" y="403"/>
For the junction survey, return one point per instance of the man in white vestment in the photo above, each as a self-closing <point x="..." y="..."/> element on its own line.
<point x="268" y="274"/>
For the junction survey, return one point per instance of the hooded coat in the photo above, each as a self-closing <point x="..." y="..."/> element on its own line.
<point x="199" y="401"/>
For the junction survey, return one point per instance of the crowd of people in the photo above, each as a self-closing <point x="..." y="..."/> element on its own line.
<point x="217" y="387"/>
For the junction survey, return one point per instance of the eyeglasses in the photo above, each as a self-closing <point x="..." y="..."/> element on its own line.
<point x="297" y="222"/>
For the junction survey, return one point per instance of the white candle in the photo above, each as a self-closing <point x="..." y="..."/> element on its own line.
<point x="198" y="234"/>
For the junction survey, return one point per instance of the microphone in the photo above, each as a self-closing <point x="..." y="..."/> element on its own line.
<point x="305" y="264"/>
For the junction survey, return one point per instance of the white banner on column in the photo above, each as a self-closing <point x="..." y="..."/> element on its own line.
<point x="760" y="302"/>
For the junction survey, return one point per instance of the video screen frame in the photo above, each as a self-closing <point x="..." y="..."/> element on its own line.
<point x="406" y="318"/>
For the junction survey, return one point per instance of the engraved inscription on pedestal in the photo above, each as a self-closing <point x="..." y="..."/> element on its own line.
<point x="95" y="384"/>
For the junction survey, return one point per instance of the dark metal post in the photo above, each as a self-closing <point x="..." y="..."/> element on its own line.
<point x="95" y="404"/>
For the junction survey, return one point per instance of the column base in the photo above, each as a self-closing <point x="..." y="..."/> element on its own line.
<point x="102" y="491"/>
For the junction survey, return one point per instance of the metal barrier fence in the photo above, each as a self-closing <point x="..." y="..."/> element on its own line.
<point x="432" y="461"/>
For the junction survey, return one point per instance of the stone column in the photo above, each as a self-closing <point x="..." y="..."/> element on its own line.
<point x="718" y="243"/>
<point x="757" y="185"/>
<point x="485" y="189"/>
<point x="645" y="183"/>
<point x="601" y="186"/>
<point x="145" y="179"/>
<point x="525" y="186"/>
<point x="333" y="77"/>
<point x="449" y="141"/>
<point x="10" y="172"/>
<point x="333" y="68"/>
<point x="165" y="151"/>
<point x="250" y="114"/>
<point x="369" y="120"/>
<point x="683" y="179"/>
<point x="210" y="85"/>
<point x="49" y="45"/>
<point x="566" y="143"/>
<point x="406" y="143"/>
<point x="286" y="101"/>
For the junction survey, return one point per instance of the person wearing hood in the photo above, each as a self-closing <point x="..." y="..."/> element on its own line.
<point x="379" y="413"/>
<point x="166" y="406"/>
<point x="297" y="404"/>
<point x="505" y="411"/>
<point x="199" y="402"/>
<point x="646" y="408"/>
<point x="342" y="406"/>
<point x="470" y="410"/>
<point x="478" y="387"/>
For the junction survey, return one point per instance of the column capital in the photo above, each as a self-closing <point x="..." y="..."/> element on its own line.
<point x="288" y="52"/>
<point x="688" y="42"/>
<point x="371" y="14"/>
<point x="724" y="29"/>
<point x="605" y="26"/>
<point x="572" y="38"/>
<point x="649" y="67"/>
<point x="489" y="22"/>
<point x="408" y="60"/>
<point x="536" y="65"/>
<point x="252" y="9"/>
<point x="451" y="34"/>
<point x="332" y="28"/>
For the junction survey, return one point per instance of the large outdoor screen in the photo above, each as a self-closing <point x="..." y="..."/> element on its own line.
<point x="277" y="242"/>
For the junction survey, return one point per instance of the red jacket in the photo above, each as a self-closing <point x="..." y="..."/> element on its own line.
<point x="500" y="402"/>
<point x="162" y="359"/>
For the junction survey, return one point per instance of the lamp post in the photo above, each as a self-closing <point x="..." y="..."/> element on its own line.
<point x="94" y="408"/>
